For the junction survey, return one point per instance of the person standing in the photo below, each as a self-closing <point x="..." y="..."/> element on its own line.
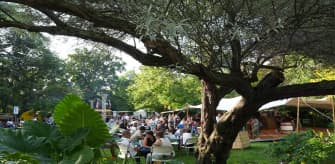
<point x="218" y="117"/>
<point x="255" y="128"/>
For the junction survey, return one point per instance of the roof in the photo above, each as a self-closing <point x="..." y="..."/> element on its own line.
<point x="228" y="104"/>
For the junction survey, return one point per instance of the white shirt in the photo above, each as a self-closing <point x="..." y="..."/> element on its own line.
<point x="170" y="136"/>
<point x="178" y="132"/>
<point x="132" y="129"/>
<point x="186" y="136"/>
<point x="131" y="148"/>
<point x="137" y="135"/>
<point x="165" y="142"/>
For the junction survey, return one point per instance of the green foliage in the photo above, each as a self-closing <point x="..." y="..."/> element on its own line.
<point x="31" y="76"/>
<point x="327" y="73"/>
<point x="11" y="140"/>
<point x="72" y="114"/>
<point x="307" y="147"/>
<point x="93" y="70"/>
<point x="158" y="88"/>
<point x="17" y="158"/>
<point x="77" y="137"/>
<point x="303" y="69"/>
<point x="84" y="155"/>
<point x="120" y="100"/>
<point x="255" y="154"/>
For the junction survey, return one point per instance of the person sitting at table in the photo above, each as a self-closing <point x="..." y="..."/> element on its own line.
<point x="148" y="141"/>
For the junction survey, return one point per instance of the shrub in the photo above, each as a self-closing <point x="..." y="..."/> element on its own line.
<point x="306" y="147"/>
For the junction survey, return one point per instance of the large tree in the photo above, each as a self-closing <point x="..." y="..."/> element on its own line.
<point x="31" y="76"/>
<point x="224" y="43"/>
<point x="94" y="71"/>
<point x="120" y="100"/>
<point x="160" y="89"/>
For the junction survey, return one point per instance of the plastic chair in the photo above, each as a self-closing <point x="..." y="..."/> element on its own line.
<point x="161" y="154"/>
<point x="125" y="153"/>
<point x="190" y="143"/>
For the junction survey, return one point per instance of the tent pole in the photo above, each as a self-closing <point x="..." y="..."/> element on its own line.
<point x="187" y="112"/>
<point x="332" y="99"/>
<point x="298" y="116"/>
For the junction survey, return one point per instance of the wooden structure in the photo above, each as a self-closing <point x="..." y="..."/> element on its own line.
<point x="242" y="140"/>
<point x="286" y="127"/>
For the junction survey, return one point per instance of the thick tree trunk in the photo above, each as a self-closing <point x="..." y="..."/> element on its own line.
<point x="215" y="146"/>
<point x="216" y="139"/>
<point x="228" y="128"/>
<point x="208" y="110"/>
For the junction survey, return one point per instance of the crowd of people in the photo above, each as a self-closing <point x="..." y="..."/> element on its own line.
<point x="143" y="133"/>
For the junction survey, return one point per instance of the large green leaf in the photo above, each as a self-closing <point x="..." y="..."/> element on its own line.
<point x="15" y="140"/>
<point x="82" y="156"/>
<point x="72" y="114"/>
<point x="69" y="143"/>
<point x="41" y="129"/>
<point x="69" y="102"/>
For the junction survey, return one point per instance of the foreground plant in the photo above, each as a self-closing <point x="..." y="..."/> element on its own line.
<point x="77" y="137"/>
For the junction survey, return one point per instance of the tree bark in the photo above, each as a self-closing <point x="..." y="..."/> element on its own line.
<point x="214" y="146"/>
<point x="228" y="128"/>
<point x="209" y="101"/>
<point x="216" y="139"/>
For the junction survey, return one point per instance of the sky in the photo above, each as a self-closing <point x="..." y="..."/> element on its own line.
<point x="64" y="45"/>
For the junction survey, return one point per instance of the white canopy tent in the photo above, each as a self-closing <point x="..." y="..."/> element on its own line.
<point x="227" y="104"/>
<point x="140" y="113"/>
<point x="274" y="104"/>
<point x="325" y="103"/>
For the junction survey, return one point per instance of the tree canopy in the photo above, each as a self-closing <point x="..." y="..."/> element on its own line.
<point x="94" y="70"/>
<point x="228" y="40"/>
<point x="31" y="76"/>
<point x="120" y="99"/>
<point x="160" y="89"/>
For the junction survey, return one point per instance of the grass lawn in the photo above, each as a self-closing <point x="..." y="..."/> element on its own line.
<point x="255" y="154"/>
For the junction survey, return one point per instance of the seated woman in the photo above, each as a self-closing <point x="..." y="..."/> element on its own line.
<point x="148" y="141"/>
<point x="161" y="149"/>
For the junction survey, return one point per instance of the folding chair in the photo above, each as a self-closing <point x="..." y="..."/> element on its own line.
<point x="190" y="143"/>
<point x="125" y="153"/>
<point x="161" y="154"/>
